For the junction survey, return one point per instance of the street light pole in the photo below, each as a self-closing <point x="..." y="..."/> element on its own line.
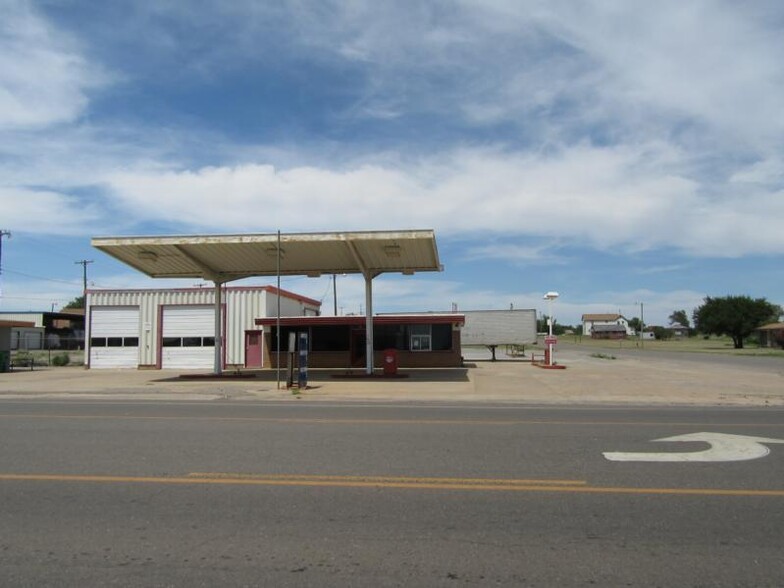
<point x="550" y="296"/>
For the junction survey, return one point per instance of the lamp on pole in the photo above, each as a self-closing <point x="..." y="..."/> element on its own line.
<point x="550" y="297"/>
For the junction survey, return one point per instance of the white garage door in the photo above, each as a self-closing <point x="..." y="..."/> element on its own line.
<point x="188" y="337"/>
<point x="114" y="337"/>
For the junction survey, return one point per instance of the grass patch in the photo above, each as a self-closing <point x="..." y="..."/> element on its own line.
<point x="602" y="356"/>
<point x="720" y="345"/>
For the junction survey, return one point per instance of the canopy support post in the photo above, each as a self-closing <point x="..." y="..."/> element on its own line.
<point x="218" y="364"/>
<point x="369" y="324"/>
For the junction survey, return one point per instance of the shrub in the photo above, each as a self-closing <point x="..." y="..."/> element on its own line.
<point x="61" y="359"/>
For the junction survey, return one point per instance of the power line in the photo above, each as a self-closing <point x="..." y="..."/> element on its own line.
<point x="69" y="282"/>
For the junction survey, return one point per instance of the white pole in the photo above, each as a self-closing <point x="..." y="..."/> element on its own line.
<point x="550" y="296"/>
<point x="550" y="321"/>
<point x="277" y="321"/>
<point x="218" y="364"/>
<point x="369" y="325"/>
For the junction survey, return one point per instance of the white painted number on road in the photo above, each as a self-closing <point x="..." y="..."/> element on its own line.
<point x="723" y="447"/>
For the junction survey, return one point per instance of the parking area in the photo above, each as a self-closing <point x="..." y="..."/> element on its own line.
<point x="645" y="378"/>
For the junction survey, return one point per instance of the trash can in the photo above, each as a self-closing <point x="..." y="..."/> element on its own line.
<point x="390" y="362"/>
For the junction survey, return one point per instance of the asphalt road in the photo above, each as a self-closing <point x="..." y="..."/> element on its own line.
<point x="293" y="494"/>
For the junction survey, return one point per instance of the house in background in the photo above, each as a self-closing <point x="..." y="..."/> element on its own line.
<point x="49" y="330"/>
<point x="679" y="331"/>
<point x="771" y="335"/>
<point x="606" y="326"/>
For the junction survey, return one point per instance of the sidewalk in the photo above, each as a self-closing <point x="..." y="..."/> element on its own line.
<point x="647" y="380"/>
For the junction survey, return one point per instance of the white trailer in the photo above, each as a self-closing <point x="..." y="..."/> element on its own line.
<point x="492" y="328"/>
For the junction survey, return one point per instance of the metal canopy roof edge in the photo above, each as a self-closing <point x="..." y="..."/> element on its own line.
<point x="260" y="237"/>
<point x="223" y="258"/>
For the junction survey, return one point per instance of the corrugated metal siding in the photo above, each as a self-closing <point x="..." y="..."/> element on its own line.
<point x="36" y="318"/>
<point x="499" y="327"/>
<point x="242" y="306"/>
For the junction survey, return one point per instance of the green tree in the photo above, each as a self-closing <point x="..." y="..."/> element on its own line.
<point x="679" y="317"/>
<point x="635" y="324"/>
<point x="77" y="302"/>
<point x="735" y="316"/>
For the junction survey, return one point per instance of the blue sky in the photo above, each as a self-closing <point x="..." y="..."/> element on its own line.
<point x="616" y="152"/>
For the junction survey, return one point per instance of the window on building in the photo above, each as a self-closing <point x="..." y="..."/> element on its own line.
<point x="330" y="338"/>
<point x="442" y="337"/>
<point x="389" y="337"/>
<point x="420" y="337"/>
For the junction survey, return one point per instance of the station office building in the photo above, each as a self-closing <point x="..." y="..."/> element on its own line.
<point x="419" y="340"/>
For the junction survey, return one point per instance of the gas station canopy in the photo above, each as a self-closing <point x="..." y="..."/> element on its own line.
<point x="224" y="258"/>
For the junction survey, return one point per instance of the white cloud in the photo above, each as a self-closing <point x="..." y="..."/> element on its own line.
<point x="44" y="79"/>
<point x="634" y="197"/>
<point x="46" y="212"/>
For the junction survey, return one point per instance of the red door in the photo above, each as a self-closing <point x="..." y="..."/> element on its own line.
<point x="253" y="344"/>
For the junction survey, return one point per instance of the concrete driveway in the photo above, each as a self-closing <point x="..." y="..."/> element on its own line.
<point x="645" y="378"/>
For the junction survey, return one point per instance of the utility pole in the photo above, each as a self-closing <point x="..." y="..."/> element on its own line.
<point x="3" y="233"/>
<point x="84" y="263"/>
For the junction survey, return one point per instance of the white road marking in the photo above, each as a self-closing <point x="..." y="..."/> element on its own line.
<point x="723" y="447"/>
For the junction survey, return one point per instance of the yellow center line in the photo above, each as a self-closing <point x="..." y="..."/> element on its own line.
<point x="412" y="483"/>
<point x="348" y="421"/>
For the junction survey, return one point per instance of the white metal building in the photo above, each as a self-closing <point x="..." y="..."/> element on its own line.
<point x="175" y="328"/>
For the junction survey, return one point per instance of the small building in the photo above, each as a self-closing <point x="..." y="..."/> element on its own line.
<point x="608" y="332"/>
<point x="7" y="330"/>
<point x="175" y="328"/>
<point x="47" y="330"/>
<point x="420" y="340"/>
<point x="771" y="335"/>
<point x="591" y="321"/>
<point x="679" y="331"/>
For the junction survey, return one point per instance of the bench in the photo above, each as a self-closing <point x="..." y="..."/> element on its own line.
<point x="23" y="360"/>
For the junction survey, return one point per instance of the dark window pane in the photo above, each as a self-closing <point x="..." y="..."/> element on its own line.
<point x="172" y="342"/>
<point x="114" y="341"/>
<point x="191" y="341"/>
<point x="131" y="342"/>
<point x="98" y="341"/>
<point x="389" y="337"/>
<point x="442" y="337"/>
<point x="334" y="338"/>
<point x="208" y="342"/>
